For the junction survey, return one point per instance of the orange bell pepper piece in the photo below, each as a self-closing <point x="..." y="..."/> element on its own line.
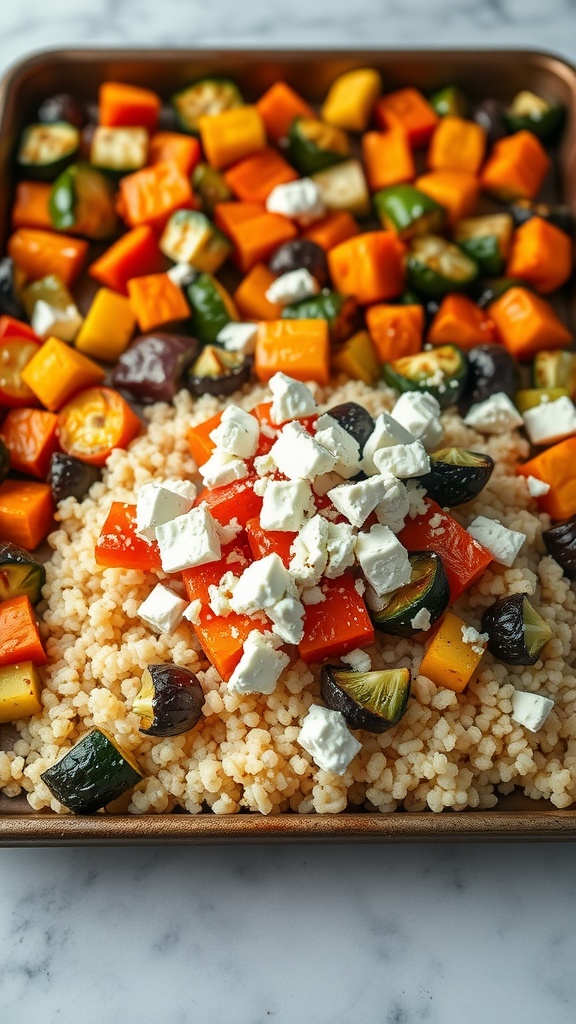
<point x="457" y="145"/>
<point x="94" y="422"/>
<point x="250" y="295"/>
<point x="232" y="135"/>
<point x="395" y="330"/>
<point x="56" y="371"/>
<point x="222" y="640"/>
<point x="409" y="110"/>
<point x="461" y="322"/>
<point x="30" y="437"/>
<point x="516" y="167"/>
<point x="456" y="191"/>
<point x="149" y="196"/>
<point x="338" y="624"/>
<point x="387" y="158"/>
<point x="555" y="466"/>
<point x="156" y="300"/>
<point x="254" y="232"/>
<point x="19" y="633"/>
<point x="199" y="441"/>
<point x="464" y="559"/>
<point x="30" y="206"/>
<point x="135" y="254"/>
<point x="525" y="323"/>
<point x="40" y="253"/>
<point x="368" y="266"/>
<point x="119" y="546"/>
<point x="278" y="107"/>
<point x="253" y="178"/>
<point x="26" y="512"/>
<point x="541" y="255"/>
<point x="299" y="348"/>
<point x="332" y="229"/>
<point x="449" y="661"/>
<point x="233" y="501"/>
<point x="173" y="147"/>
<point x="121" y="105"/>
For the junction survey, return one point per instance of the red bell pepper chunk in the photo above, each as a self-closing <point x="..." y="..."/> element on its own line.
<point x="222" y="639"/>
<point x="19" y="633"/>
<point x="12" y="328"/>
<point x="337" y="625"/>
<point x="235" y="557"/>
<point x="120" y="547"/>
<point x="233" y="501"/>
<point x="199" y="442"/>
<point x="268" y="542"/>
<point x="464" y="559"/>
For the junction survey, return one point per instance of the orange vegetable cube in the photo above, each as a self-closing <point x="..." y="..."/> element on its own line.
<point x="464" y="559"/>
<point x="30" y="437"/>
<point x="129" y="106"/>
<point x="516" y="168"/>
<point x="40" y="253"/>
<point x="199" y="441"/>
<point x="26" y="512"/>
<point x="94" y="422"/>
<point x="232" y="135"/>
<point x="541" y="255"/>
<point x="387" y="158"/>
<point x="222" y="640"/>
<point x="457" y="145"/>
<point x="299" y="348"/>
<point x="278" y="107"/>
<point x="108" y="326"/>
<point x="254" y="232"/>
<point x="555" y="466"/>
<point x="456" y="191"/>
<point x="250" y="295"/>
<point x="336" y="227"/>
<point x="56" y="371"/>
<point x="338" y="624"/>
<point x="156" y="300"/>
<point x="135" y="254"/>
<point x="461" y="322"/>
<point x="253" y="178"/>
<point x="149" y="196"/>
<point x="30" y="206"/>
<point x="20" y="687"/>
<point x="409" y="110"/>
<point x="173" y="147"/>
<point x="450" y="661"/>
<point x="120" y="546"/>
<point x="19" y="633"/>
<point x="395" y="330"/>
<point x="525" y="323"/>
<point x="368" y="266"/>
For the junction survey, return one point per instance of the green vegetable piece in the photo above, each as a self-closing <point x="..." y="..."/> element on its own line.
<point x="46" y="149"/>
<point x="339" y="310"/>
<point x="456" y="476"/>
<point x="92" y="774"/>
<point x="408" y="212"/>
<point x="119" y="150"/>
<point x="530" y="398"/>
<point x="534" y="114"/>
<point x="206" y="96"/>
<point x="21" y="575"/>
<point x="189" y="237"/>
<point x="441" y="371"/>
<point x="516" y="631"/>
<point x="449" y="102"/>
<point x="374" y="701"/>
<point x="555" y="370"/>
<point x="314" y="146"/>
<point x="436" y="267"/>
<point x="486" y="240"/>
<point x="421" y="601"/>
<point x="212" y="307"/>
<point x="82" y="201"/>
<point x="211" y="187"/>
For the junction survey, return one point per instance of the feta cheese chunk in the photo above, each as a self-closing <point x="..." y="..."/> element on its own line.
<point x="419" y="413"/>
<point x="291" y="399"/>
<point x="162" y="609"/>
<point x="221" y="469"/>
<point x="395" y="504"/>
<point x="421" y="620"/>
<point x="357" y="500"/>
<point x="494" y="416"/>
<point x="158" y="503"/>
<point x="332" y="436"/>
<point x="265" y="582"/>
<point x="477" y="641"/>
<point x="299" y="456"/>
<point x="326" y="737"/>
<point x="300" y="200"/>
<point x="181" y="274"/>
<point x="536" y="488"/>
<point x="293" y="286"/>
<point x="288" y="618"/>
<point x="260" y="666"/>
<point x="190" y="539"/>
<point x="192" y="611"/>
<point x="310" y="552"/>
<point x="387" y="432"/>
<point x="237" y="433"/>
<point x="238" y="337"/>
<point x="357" y="660"/>
<point x="530" y="709"/>
<point x="286" y="505"/>
<point x="502" y="543"/>
<point x="48" y="321"/>
<point x="339" y="549"/>
<point x="403" y="460"/>
<point x="551" y="421"/>
<point x="383" y="559"/>
<point x="220" y="595"/>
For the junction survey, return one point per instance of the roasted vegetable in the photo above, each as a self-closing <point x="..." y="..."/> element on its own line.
<point x="487" y="292"/>
<point x="92" y="774"/>
<point x="343" y="188"/>
<point x="4" y="461"/>
<point x="449" y="101"/>
<point x="486" y="240"/>
<point x="339" y="310"/>
<point x="418" y="604"/>
<point x="374" y="701"/>
<point x="210" y="95"/>
<point x="218" y="372"/>
<point x="9" y="302"/>
<point x="560" y="541"/>
<point x="211" y="187"/>
<point x="491" y="369"/>
<point x="408" y="212"/>
<point x="314" y="146"/>
<point x="189" y="237"/>
<point x="490" y="116"/>
<point x="516" y="632"/>
<point x="169" y="701"/>
<point x="152" y="369"/>
<point x="21" y="575"/>
<point x="299" y="254"/>
<point x="456" y="476"/>
<point x="70" y="477"/>
<point x="82" y="201"/>
<point x="46" y="149"/>
<point x="555" y="369"/>
<point x="535" y="114"/>
<point x="51" y="309"/>
<point x="559" y="215"/>
<point x="20" y="687"/>
<point x="436" y="267"/>
<point x="94" y="422"/>
<point x="119" y="150"/>
<point x="63" y="107"/>
<point x="355" y="419"/>
<point x="442" y="371"/>
<point x="530" y="398"/>
<point x="212" y="307"/>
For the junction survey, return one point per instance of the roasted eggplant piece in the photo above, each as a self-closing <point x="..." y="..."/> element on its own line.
<point x="45" y="150"/>
<point x="170" y="700"/>
<point x="560" y="215"/>
<point x="529" y="112"/>
<point x="4" y="461"/>
<point x="152" y="369"/>
<point x="63" y="107"/>
<point x="9" y="301"/>
<point x="488" y="291"/>
<point x="301" y="254"/>
<point x="374" y="701"/>
<point x="92" y="774"/>
<point x="206" y="96"/>
<point x="555" y="369"/>
<point x="82" y="202"/>
<point x="441" y="371"/>
<point x="314" y="146"/>
<point x="436" y="266"/>
<point x="70" y="477"/>
<point x="560" y="540"/>
<point x="456" y="476"/>
<point x="449" y="102"/>
<point x="355" y="419"/>
<point x="418" y="604"/>
<point x="491" y="368"/>
<point x="486" y="240"/>
<point x="516" y="633"/>
<point x="339" y="310"/>
<point x="189" y="237"/>
<point x="408" y="212"/>
<point x="218" y="372"/>
<point x="212" y="307"/>
<point x="211" y="188"/>
<point x="20" y="573"/>
<point x="490" y="116"/>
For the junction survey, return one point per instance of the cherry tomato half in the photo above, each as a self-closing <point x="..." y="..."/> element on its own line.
<point x="94" y="422"/>
<point x="15" y="353"/>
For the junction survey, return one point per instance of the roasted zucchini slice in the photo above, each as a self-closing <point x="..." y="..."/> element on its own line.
<point x="210" y="186"/>
<point x="408" y="212"/>
<point x="456" y="476"/>
<point x="206" y="96"/>
<point x="555" y="369"/>
<point x="212" y="307"/>
<point x="418" y="604"/>
<point x="218" y="372"/>
<point x="374" y="701"/>
<point x="339" y="310"/>
<point x="441" y="371"/>
<point x="343" y="187"/>
<point x="314" y="146"/>
<point x="486" y="240"/>
<point x="46" y="149"/>
<point x="516" y="633"/>
<point x="121" y="150"/>
<point x="92" y="774"/>
<point x="436" y="267"/>
<point x="534" y="114"/>
<point x="170" y="700"/>
<point x="449" y="102"/>
<point x="82" y="202"/>
<point x="20" y="573"/>
<point x="189" y="237"/>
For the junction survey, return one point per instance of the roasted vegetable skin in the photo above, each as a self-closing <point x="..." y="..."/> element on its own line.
<point x="9" y="302"/>
<point x="516" y="633"/>
<point x="534" y="114"/>
<point x="428" y="590"/>
<point x="152" y="369"/>
<point x="456" y="476"/>
<point x="442" y="371"/>
<point x="63" y="106"/>
<point x="92" y="774"/>
<point x="408" y="211"/>
<point x="46" y="149"/>
<point x="436" y="266"/>
<point x="314" y="146"/>
<point x="218" y="372"/>
<point x="82" y="201"/>
<point x="21" y="574"/>
<point x="374" y="701"/>
<point x="339" y="310"/>
<point x="298" y="254"/>
<point x="560" y="541"/>
<point x="210" y="95"/>
<point x="491" y="368"/>
<point x="4" y="461"/>
<point x="69" y="477"/>
<point x="355" y="419"/>
<point x="170" y="700"/>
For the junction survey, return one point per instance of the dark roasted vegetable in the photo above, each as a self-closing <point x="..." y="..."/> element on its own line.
<point x="206" y="96"/>
<point x="560" y="215"/>
<point x="313" y="145"/>
<point x="20" y="573"/>
<point x="534" y="114"/>
<point x="63" y="107"/>
<point x="82" y="201"/>
<point x="70" y="477"/>
<point x="516" y="632"/>
<point x="46" y="149"/>
<point x="4" y="461"/>
<point x="436" y="267"/>
<point x="487" y="292"/>
<point x="442" y="371"/>
<point x="560" y="541"/>
<point x="374" y="701"/>
<point x="456" y="476"/>
<point x="427" y="592"/>
<point x="339" y="310"/>
<point x="212" y="307"/>
<point x="491" y="368"/>
<point x="555" y="369"/>
<point x="211" y="187"/>
<point x="449" y="102"/>
<point x="152" y="369"/>
<point x="170" y="700"/>
<point x="9" y="301"/>
<point x="218" y="372"/>
<point x="486" y="240"/>
<point x="408" y="212"/>
<point x="355" y="419"/>
<point x="92" y="774"/>
<point x="490" y="116"/>
<point x="298" y="254"/>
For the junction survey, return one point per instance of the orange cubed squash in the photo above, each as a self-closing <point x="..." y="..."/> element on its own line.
<point x="388" y="158"/>
<point x="338" y="624"/>
<point x="336" y="227"/>
<point x="409" y="110"/>
<point x="30" y="437"/>
<point x="461" y="322"/>
<point x="135" y="254"/>
<point x="122" y="105"/>
<point x="457" y="145"/>
<point x="253" y="178"/>
<point x="450" y="661"/>
<point x="299" y="348"/>
<point x="30" y="206"/>
<point x="41" y="253"/>
<point x="555" y="466"/>
<point x="156" y="300"/>
<point x="19" y="633"/>
<point x="516" y="167"/>
<point x="200" y="443"/>
<point x="395" y="330"/>
<point x="250" y="295"/>
<point x="26" y="512"/>
<point x="232" y="135"/>
<point x="149" y="196"/>
<point x="278" y="107"/>
<point x="526" y="323"/>
<point x="541" y="255"/>
<point x="173" y="147"/>
<point x="369" y="266"/>
<point x="456" y="191"/>
<point x="254" y="233"/>
<point x="56" y="371"/>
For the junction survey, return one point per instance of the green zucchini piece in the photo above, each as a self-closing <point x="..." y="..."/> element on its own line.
<point x="531" y="398"/>
<point x="436" y="267"/>
<point x="555" y="370"/>
<point x="212" y="307"/>
<point x="516" y="633"/>
<point x="534" y="114"/>
<point x="374" y="701"/>
<point x="456" y="476"/>
<point x="21" y="575"/>
<point x="343" y="187"/>
<point x="189" y="237"/>
<point x="92" y="774"/>
<point x="339" y="310"/>
<point x="218" y="372"/>
<point x="408" y="212"/>
<point x="4" y="464"/>
<point x="211" y="188"/>
<point x="427" y="592"/>
<point x="170" y="700"/>
<point x="441" y="371"/>
<point x="82" y="201"/>
<point x="46" y="149"/>
<point x="486" y="240"/>
<point x="314" y="146"/>
<point x="120" y="150"/>
<point x="449" y="102"/>
<point x="491" y="290"/>
<point x="204" y="97"/>
<point x="51" y="308"/>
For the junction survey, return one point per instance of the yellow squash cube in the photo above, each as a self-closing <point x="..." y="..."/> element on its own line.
<point x="19" y="691"/>
<point x="108" y="327"/>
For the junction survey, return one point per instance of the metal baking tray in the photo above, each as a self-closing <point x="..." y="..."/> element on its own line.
<point x="500" y="74"/>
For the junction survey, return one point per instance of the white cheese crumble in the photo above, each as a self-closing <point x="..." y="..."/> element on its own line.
<point x="189" y="540"/>
<point x="300" y="200"/>
<point x="357" y="660"/>
<point x="220" y="595"/>
<point x="162" y="609"/>
<point x="299" y="456"/>
<point x="313" y="595"/>
<point x="291" y="399"/>
<point x="357" y="500"/>
<point x="325" y="736"/>
<point x="332" y="436"/>
<point x="551" y="421"/>
<point x="502" y="543"/>
<point x="536" y="488"/>
<point x="293" y="286"/>
<point x="403" y="460"/>
<point x="422" y="620"/>
<point x="221" y="469"/>
<point x="238" y="337"/>
<point x="339" y="549"/>
<point x="181" y="274"/>
<point x="383" y="559"/>
<point x="286" y="505"/>
<point x="416" y="499"/>
<point x="262" y="584"/>
<point x="494" y="416"/>
<point x="158" y="503"/>
<point x="477" y="641"/>
<point x="260" y="666"/>
<point x="237" y="433"/>
<point x="47" y="321"/>
<point x="530" y="709"/>
<point x="395" y="504"/>
<point x="192" y="611"/>
<point x="387" y="432"/>
<point x="310" y="552"/>
<point x="419" y="413"/>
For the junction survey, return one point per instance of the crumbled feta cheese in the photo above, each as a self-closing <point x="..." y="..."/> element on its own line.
<point x="47" y="321"/>
<point x="188" y="540"/>
<point x="294" y="286"/>
<point x="264" y="465"/>
<point x="392" y="510"/>
<point x="286" y="505"/>
<point x="421" y="620"/>
<point x="291" y="399"/>
<point x="325" y="736"/>
<point x="237" y="433"/>
<point x="181" y="274"/>
<point x="494" y="416"/>
<point x="313" y="595"/>
<point x="340" y="549"/>
<point x="416" y="498"/>
<point x="357" y="660"/>
<point x="360" y="587"/>
<point x="310" y="552"/>
<point x="419" y="412"/>
<point x="228" y="532"/>
<point x="192" y="611"/>
<point x="502" y="543"/>
<point x="357" y="500"/>
<point x="383" y="559"/>
<point x="323" y="484"/>
<point x="403" y="460"/>
<point x="332" y="436"/>
<point x="288" y="618"/>
<point x="158" y="503"/>
<point x="387" y="432"/>
<point x="300" y="200"/>
<point x="221" y="469"/>
<point x="220" y="595"/>
<point x="238" y="337"/>
<point x="260" y="666"/>
<point x="299" y="456"/>
<point x="376" y="602"/>
<point x="162" y="609"/>
<point x="265" y="582"/>
<point x="530" y="709"/>
<point x="477" y="641"/>
<point x="536" y="488"/>
<point x="183" y="487"/>
<point x="551" y="421"/>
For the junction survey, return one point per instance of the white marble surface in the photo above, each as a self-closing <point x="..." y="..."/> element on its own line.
<point x="333" y="935"/>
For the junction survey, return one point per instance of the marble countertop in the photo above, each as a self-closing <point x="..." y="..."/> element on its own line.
<point x="314" y="935"/>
